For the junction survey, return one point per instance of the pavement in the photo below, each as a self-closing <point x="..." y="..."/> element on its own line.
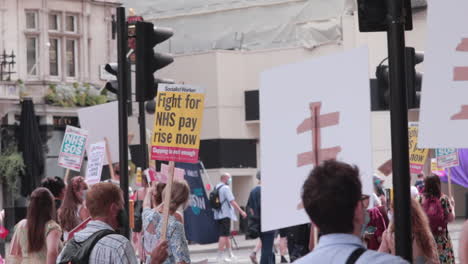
<point x="208" y="253"/>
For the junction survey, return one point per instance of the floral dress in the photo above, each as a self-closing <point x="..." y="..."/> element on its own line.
<point x="444" y="243"/>
<point x="152" y="226"/>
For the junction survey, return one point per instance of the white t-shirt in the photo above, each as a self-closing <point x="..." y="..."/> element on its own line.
<point x="376" y="200"/>
<point x="225" y="197"/>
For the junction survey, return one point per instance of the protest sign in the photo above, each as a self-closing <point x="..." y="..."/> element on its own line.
<point x="164" y="174"/>
<point x="289" y="141"/>
<point x="199" y="223"/>
<point x="436" y="169"/>
<point x="178" y="121"/>
<point x="96" y="154"/>
<point x="103" y="122"/>
<point x="444" y="108"/>
<point x="447" y="157"/>
<point x="73" y="148"/>
<point x="417" y="156"/>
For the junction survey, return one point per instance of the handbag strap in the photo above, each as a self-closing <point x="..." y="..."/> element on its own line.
<point x="355" y="255"/>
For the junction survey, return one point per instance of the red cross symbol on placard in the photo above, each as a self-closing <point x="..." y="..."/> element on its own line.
<point x="461" y="74"/>
<point x="314" y="124"/>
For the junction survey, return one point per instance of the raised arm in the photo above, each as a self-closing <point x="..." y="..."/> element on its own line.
<point x="235" y="205"/>
<point x="52" y="241"/>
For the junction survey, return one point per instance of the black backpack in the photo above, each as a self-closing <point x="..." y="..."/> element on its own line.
<point x="214" y="198"/>
<point x="78" y="253"/>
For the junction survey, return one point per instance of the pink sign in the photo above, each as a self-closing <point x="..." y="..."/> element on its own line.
<point x="164" y="174"/>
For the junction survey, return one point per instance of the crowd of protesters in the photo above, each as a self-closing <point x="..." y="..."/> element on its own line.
<point x="350" y="227"/>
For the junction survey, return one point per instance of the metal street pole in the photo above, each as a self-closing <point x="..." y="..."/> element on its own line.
<point x="123" y="78"/>
<point x="142" y="121"/>
<point x="399" y="128"/>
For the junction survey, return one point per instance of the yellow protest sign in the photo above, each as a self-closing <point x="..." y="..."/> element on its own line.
<point x="177" y="124"/>
<point x="417" y="156"/>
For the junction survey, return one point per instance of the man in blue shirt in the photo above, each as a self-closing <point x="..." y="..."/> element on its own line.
<point x="224" y="215"/>
<point x="333" y="199"/>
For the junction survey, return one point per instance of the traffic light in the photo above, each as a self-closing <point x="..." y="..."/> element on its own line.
<point x="148" y="61"/>
<point x="151" y="104"/>
<point x="413" y="77"/>
<point x="383" y="87"/>
<point x="112" y="85"/>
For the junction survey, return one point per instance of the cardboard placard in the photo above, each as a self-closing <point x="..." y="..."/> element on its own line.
<point x="417" y="156"/>
<point x="73" y="148"/>
<point x="447" y="157"/>
<point x="102" y="120"/>
<point x="178" y="121"/>
<point x="164" y="174"/>
<point x="308" y="115"/>
<point x="96" y="157"/>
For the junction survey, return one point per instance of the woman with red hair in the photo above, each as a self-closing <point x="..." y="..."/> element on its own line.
<point x="73" y="210"/>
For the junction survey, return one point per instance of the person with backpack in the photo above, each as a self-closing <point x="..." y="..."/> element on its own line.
<point x="332" y="197"/>
<point x="223" y="203"/>
<point x="440" y="209"/>
<point x="99" y="242"/>
<point x="423" y="244"/>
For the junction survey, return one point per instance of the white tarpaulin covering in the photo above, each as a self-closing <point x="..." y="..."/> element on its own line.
<point x="245" y="24"/>
<point x="202" y="25"/>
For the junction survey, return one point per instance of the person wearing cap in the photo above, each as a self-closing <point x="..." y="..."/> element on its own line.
<point x="378" y="197"/>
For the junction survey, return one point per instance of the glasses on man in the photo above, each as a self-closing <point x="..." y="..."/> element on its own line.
<point x="365" y="200"/>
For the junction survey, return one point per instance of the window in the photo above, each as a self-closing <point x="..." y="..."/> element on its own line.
<point x="31" y="20"/>
<point x="54" y="22"/>
<point x="71" y="57"/>
<point x="54" y="56"/>
<point x="31" y="55"/>
<point x="70" y="23"/>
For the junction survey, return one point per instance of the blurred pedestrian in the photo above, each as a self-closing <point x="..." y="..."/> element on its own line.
<point x="57" y="187"/>
<point x="283" y="244"/>
<point x="378" y="223"/>
<point x="424" y="246"/>
<point x="73" y="210"/>
<point x="463" y="247"/>
<point x="378" y="197"/>
<point x="37" y="238"/>
<point x="340" y="218"/>
<point x="224" y="215"/>
<point x="137" y="234"/>
<point x="153" y="223"/>
<point x="419" y="184"/>
<point x="299" y="240"/>
<point x="267" y="238"/>
<point x="440" y="209"/>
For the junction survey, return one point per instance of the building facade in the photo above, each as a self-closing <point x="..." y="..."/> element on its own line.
<point x="55" y="42"/>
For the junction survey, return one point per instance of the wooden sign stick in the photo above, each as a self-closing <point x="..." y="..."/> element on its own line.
<point x="167" y="200"/>
<point x="109" y="159"/>
<point x="67" y="175"/>
<point x="449" y="178"/>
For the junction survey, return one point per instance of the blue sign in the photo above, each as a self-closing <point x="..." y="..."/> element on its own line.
<point x="200" y="226"/>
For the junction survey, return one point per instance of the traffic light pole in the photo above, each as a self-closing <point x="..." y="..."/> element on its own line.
<point x="123" y="77"/>
<point x="142" y="121"/>
<point x="399" y="129"/>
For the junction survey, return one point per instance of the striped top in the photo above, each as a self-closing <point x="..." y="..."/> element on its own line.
<point x="114" y="248"/>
